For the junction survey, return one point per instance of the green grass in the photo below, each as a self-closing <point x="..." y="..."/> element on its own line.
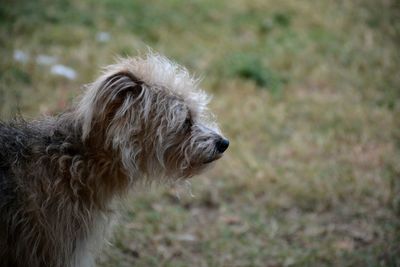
<point x="308" y="92"/>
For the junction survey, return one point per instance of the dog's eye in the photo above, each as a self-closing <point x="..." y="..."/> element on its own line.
<point x="187" y="124"/>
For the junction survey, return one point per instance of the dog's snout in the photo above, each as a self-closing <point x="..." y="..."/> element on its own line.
<point x="222" y="144"/>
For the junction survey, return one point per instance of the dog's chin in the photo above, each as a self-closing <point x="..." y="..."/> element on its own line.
<point x="199" y="166"/>
<point x="212" y="159"/>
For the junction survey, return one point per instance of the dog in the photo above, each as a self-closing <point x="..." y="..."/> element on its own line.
<point x="144" y="119"/>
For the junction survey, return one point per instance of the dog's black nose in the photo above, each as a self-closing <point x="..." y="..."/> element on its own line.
<point x="222" y="144"/>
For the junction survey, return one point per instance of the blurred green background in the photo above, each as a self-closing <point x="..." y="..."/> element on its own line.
<point x="307" y="91"/>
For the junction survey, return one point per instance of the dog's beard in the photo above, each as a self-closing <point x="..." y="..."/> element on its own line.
<point x="197" y="163"/>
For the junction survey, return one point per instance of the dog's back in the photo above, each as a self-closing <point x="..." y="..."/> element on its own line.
<point x="33" y="219"/>
<point x="12" y="148"/>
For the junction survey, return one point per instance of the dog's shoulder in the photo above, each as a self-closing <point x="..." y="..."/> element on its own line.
<point x="18" y="139"/>
<point x="14" y="135"/>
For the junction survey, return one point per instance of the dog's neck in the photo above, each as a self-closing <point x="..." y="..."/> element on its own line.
<point x="95" y="168"/>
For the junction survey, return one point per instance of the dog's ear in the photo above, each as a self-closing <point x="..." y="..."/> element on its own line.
<point x="109" y="96"/>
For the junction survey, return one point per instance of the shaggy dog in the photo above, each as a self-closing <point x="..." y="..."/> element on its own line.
<point x="144" y="119"/>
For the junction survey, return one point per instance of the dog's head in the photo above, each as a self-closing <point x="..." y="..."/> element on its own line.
<point x="153" y="114"/>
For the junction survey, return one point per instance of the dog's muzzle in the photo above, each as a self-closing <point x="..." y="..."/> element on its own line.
<point x="220" y="146"/>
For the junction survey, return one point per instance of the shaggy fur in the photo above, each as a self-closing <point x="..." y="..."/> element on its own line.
<point x="144" y="119"/>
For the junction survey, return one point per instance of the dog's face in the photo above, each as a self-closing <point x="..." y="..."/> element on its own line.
<point x="152" y="112"/>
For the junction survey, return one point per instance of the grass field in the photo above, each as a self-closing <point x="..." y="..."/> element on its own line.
<point x="308" y="92"/>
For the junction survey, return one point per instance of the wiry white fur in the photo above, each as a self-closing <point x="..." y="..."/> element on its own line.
<point x="159" y="73"/>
